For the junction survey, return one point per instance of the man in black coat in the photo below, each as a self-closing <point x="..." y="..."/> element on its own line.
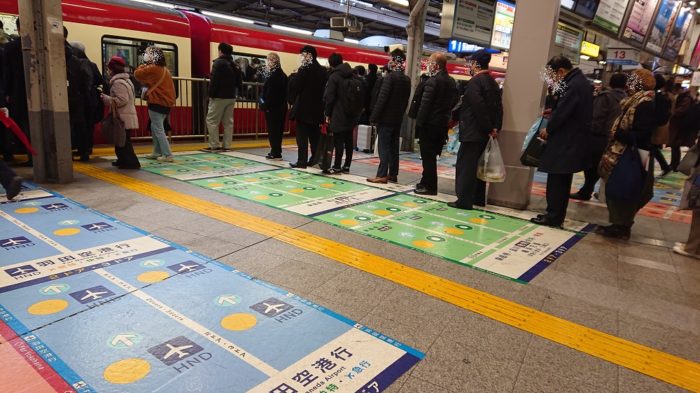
<point x="371" y="79"/>
<point x="274" y="103"/>
<point x="94" y="108"/>
<point x="387" y="115"/>
<point x="226" y="83"/>
<point x="434" y="114"/>
<point x="568" y="136"/>
<point x="79" y="79"/>
<point x="306" y="89"/>
<point x="13" y="83"/>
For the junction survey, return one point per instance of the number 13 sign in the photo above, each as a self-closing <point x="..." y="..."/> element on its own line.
<point x="623" y="56"/>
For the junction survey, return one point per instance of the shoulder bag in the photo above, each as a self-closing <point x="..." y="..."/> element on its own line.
<point x="113" y="128"/>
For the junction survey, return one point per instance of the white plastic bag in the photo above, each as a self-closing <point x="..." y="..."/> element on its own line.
<point x="491" y="168"/>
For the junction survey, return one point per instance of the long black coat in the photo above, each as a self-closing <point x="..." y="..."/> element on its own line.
<point x="274" y="92"/>
<point x="306" y="93"/>
<point x="13" y="80"/>
<point x="482" y="109"/>
<point x="226" y="78"/>
<point x="569" y="128"/>
<point x="392" y="99"/>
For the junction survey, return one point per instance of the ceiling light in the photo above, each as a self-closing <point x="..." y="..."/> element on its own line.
<point x="229" y="17"/>
<point x="291" y="29"/>
<point x="351" y="40"/>
<point x="400" y="2"/>
<point x="692" y="3"/>
<point x="155" y="3"/>
<point x="585" y="57"/>
<point x="362" y="3"/>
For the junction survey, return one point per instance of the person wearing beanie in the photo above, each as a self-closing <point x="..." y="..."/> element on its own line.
<point x="633" y="128"/>
<point x="225" y="85"/>
<point x="568" y="135"/>
<point x="481" y="117"/>
<point x="305" y="94"/>
<point x="121" y="96"/>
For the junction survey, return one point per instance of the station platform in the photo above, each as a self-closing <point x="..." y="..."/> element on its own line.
<point x="228" y="272"/>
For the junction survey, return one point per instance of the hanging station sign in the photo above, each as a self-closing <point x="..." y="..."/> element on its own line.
<point x="503" y="25"/>
<point x="590" y="49"/>
<point x="468" y="20"/>
<point x="569" y="38"/>
<point x="663" y="23"/>
<point x="610" y="14"/>
<point x="695" y="57"/>
<point x="680" y="29"/>
<point x="623" y="56"/>
<point x="637" y="26"/>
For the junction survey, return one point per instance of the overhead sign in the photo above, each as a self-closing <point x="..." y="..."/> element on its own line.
<point x="680" y="29"/>
<point x="569" y="38"/>
<point x="590" y="49"/>
<point x="623" y="56"/>
<point x="610" y="14"/>
<point x="695" y="58"/>
<point x="455" y="46"/>
<point x="639" y="20"/>
<point x="662" y="25"/>
<point x="469" y="20"/>
<point x="586" y="8"/>
<point x="503" y="25"/>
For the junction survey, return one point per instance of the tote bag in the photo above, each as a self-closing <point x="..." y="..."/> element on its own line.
<point x="113" y="130"/>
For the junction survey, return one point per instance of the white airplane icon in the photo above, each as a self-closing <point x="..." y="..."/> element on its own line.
<point x="187" y="268"/>
<point x="179" y="351"/>
<point x="20" y="271"/>
<point x="54" y="207"/>
<point x="95" y="227"/>
<point x="93" y="295"/>
<point x="12" y="242"/>
<point x="273" y="307"/>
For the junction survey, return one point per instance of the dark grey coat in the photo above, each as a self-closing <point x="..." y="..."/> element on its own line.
<point x="392" y="99"/>
<point x="341" y="120"/>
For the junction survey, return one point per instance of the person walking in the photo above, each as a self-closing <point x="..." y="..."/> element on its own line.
<point x="344" y="101"/>
<point x="633" y="128"/>
<point x="387" y="116"/>
<point x="481" y="117"/>
<point x="160" y="96"/>
<point x="274" y="102"/>
<point x="121" y="96"/>
<point x="438" y="97"/>
<point x="679" y="134"/>
<point x="226" y="83"/>
<point x="568" y="136"/>
<point x="305" y="94"/>
<point x="664" y="108"/>
<point x="606" y="108"/>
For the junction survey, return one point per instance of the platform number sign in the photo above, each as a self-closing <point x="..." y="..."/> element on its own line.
<point x="623" y="56"/>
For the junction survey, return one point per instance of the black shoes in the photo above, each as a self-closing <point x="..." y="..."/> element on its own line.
<point x="269" y="156"/>
<point x="542" y="219"/>
<point x="297" y="165"/>
<point x="393" y="179"/>
<point x="580" y="197"/>
<point x="614" y="232"/>
<point x="332" y="171"/>
<point x="455" y="205"/>
<point x="14" y="187"/>
<point x="421" y="190"/>
<point x="312" y="161"/>
<point x="115" y="163"/>
<point x="346" y="169"/>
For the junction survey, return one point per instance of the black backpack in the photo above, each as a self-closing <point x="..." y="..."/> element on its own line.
<point x="353" y="92"/>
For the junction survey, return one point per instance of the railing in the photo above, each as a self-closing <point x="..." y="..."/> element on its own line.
<point x="187" y="119"/>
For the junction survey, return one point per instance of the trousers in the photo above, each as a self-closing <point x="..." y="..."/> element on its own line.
<point x="343" y="142"/>
<point x="430" y="148"/>
<point x="389" y="136"/>
<point x="470" y="190"/>
<point x="307" y="134"/>
<point x="161" y="147"/>
<point x="275" y="130"/>
<point x="558" y="190"/>
<point x="220" y="111"/>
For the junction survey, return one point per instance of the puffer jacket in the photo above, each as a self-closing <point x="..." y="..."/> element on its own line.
<point x="122" y="95"/>
<point x="482" y="109"/>
<point x="226" y="79"/>
<point x="162" y="94"/>
<point x="341" y="121"/>
<point x="392" y="99"/>
<point x="438" y="99"/>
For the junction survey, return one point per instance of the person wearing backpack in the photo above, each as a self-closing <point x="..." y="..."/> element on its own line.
<point x="226" y="83"/>
<point x="344" y="102"/>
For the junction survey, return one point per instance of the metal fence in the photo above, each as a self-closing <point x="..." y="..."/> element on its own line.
<point x="187" y="119"/>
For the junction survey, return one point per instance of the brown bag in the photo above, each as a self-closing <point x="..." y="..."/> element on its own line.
<point x="610" y="158"/>
<point x="660" y="135"/>
<point x="113" y="130"/>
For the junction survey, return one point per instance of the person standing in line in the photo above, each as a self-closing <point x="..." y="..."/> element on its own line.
<point x="305" y="94"/>
<point x="387" y="115"/>
<point x="481" y="117"/>
<point x="664" y="107"/>
<point x="121" y="95"/>
<point x="606" y="108"/>
<point x="8" y="178"/>
<point x="633" y="127"/>
<point x="371" y="80"/>
<point x="568" y="136"/>
<point x="341" y="119"/>
<point x="160" y="97"/>
<point x="225" y="85"/>
<point x="93" y="103"/>
<point x="680" y="134"/>
<point x="14" y="85"/>
<point x="79" y="81"/>
<point x="434" y="114"/>
<point x="274" y="103"/>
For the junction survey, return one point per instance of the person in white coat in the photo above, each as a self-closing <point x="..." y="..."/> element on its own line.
<point x="122" y="96"/>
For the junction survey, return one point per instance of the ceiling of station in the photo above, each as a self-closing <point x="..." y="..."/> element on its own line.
<point x="315" y="14"/>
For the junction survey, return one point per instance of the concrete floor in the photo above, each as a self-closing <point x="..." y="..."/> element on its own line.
<point x="633" y="290"/>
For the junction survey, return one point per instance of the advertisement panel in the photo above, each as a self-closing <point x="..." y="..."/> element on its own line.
<point x="695" y="58"/>
<point x="469" y="20"/>
<point x="662" y="25"/>
<point x="610" y="14"/>
<point x="639" y="20"/>
<point x="586" y="8"/>
<point x="503" y="25"/>
<point x="680" y="29"/>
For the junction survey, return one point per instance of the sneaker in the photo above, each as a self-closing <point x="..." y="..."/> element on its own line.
<point x="14" y="187"/>
<point x="211" y="149"/>
<point x="424" y="191"/>
<point x="166" y="159"/>
<point x="151" y="157"/>
<point x="679" y="248"/>
<point x="333" y="171"/>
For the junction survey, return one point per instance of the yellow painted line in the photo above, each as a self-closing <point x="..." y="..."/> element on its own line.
<point x="178" y="147"/>
<point x="666" y="367"/>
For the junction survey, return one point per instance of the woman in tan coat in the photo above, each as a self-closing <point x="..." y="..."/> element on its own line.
<point x="122" y="97"/>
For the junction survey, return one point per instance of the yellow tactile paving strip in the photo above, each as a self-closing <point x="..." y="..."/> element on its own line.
<point x="646" y="360"/>
<point x="178" y="147"/>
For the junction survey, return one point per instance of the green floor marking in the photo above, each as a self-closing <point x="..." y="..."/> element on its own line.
<point x="197" y="166"/>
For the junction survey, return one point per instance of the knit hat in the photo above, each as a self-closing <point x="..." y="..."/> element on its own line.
<point x="646" y="78"/>
<point x="116" y="64"/>
<point x="309" y="49"/>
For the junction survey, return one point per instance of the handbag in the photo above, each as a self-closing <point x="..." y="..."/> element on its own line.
<point x="626" y="181"/>
<point x="113" y="130"/>
<point x="146" y="91"/>
<point x="690" y="199"/>
<point x="689" y="161"/>
<point x="533" y="152"/>
<point x="610" y="158"/>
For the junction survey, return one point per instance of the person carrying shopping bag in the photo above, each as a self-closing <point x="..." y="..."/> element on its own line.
<point x="160" y="95"/>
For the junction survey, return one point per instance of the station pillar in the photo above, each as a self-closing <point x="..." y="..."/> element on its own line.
<point x="534" y="29"/>
<point x="41" y="32"/>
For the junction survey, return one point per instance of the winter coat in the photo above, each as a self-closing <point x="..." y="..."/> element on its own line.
<point x="371" y="80"/>
<point x="341" y="120"/>
<point x="606" y="108"/>
<point x="274" y="92"/>
<point x="226" y="78"/>
<point x="482" y="109"/>
<point x="13" y="80"/>
<point x="664" y="108"/>
<point x="121" y="94"/>
<point x="414" y="105"/>
<point x="95" y="108"/>
<point x="642" y="127"/>
<point x="392" y="99"/>
<point x="569" y="128"/>
<point x="79" y="78"/>
<point x="163" y="95"/>
<point x="305" y="93"/>
<point x="679" y="133"/>
<point x="436" y="103"/>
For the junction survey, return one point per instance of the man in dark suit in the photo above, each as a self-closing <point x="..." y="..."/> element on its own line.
<point x="481" y="117"/>
<point x="568" y="136"/>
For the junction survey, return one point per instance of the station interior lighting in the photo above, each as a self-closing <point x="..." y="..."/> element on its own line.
<point x="351" y="40"/>
<point x="400" y="2"/>
<point x="291" y="29"/>
<point x="156" y="3"/>
<point x="229" y="17"/>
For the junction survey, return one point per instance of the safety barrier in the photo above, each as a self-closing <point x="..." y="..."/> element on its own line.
<point x="187" y="119"/>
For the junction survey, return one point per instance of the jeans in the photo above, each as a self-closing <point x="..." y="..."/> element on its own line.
<point x="220" y="111"/>
<point x="558" y="190"/>
<point x="470" y="189"/>
<point x="161" y="147"/>
<point x="389" y="137"/>
<point x="343" y="142"/>
<point x="307" y="134"/>
<point x="275" y="130"/>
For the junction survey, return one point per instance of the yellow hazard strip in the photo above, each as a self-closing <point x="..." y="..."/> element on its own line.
<point x="666" y="367"/>
<point x="179" y="147"/>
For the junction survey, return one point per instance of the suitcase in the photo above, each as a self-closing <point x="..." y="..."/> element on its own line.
<point x="325" y="150"/>
<point x="365" y="138"/>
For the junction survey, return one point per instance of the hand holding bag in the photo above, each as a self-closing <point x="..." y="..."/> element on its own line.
<point x="491" y="168"/>
<point x="113" y="130"/>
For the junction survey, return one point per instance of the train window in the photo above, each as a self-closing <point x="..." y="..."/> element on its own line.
<point x="251" y="65"/>
<point x="9" y="23"/>
<point x="132" y="49"/>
